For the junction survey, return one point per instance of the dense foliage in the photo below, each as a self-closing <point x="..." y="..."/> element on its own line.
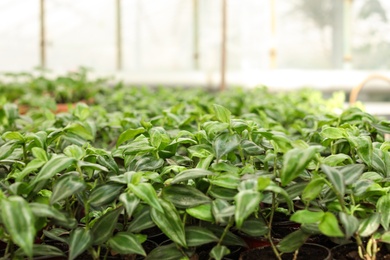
<point x="200" y="167"/>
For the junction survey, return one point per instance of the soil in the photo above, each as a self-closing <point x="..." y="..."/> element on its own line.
<point x="307" y="251"/>
<point x="350" y="252"/>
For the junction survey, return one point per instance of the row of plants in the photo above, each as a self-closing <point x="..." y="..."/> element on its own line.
<point x="192" y="174"/>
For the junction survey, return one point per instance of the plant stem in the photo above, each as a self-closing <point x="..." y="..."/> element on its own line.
<point x="228" y="226"/>
<point x="269" y="235"/>
<point x="360" y="244"/>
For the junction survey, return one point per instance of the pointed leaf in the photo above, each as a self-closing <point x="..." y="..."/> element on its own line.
<point x="335" y="178"/>
<point x="295" y="161"/>
<point x="352" y="172"/>
<point x="251" y="148"/>
<point x="166" y="252"/>
<point x="184" y="196"/>
<point x="32" y="166"/>
<point x="13" y="136"/>
<point x="39" y="153"/>
<point x="222" y="113"/>
<point x="329" y="226"/>
<point x="313" y="189"/>
<point x="104" y="194"/>
<point x="307" y="217"/>
<point x="130" y="202"/>
<point x="46" y="211"/>
<point x="197" y="236"/>
<point x="126" y="243"/>
<point x="109" y="163"/>
<point x="247" y="201"/>
<point x="363" y="147"/>
<point x="369" y="225"/>
<point x="55" y="165"/>
<point x="255" y="227"/>
<point x="219" y="251"/>
<point x="225" y="143"/>
<point x="292" y="241"/>
<point x="202" y="212"/>
<point x="65" y="187"/>
<point x="42" y="250"/>
<point x="147" y="193"/>
<point x="74" y="151"/>
<point x="333" y="133"/>
<point x="350" y="224"/>
<point x="190" y="175"/>
<point x="141" y="221"/>
<point x="79" y="130"/>
<point x="169" y="222"/>
<point x="104" y="227"/>
<point x="80" y="240"/>
<point x="18" y="219"/>
<point x="383" y="207"/>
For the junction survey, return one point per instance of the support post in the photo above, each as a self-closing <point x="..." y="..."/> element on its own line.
<point x="347" y="25"/>
<point x="118" y="35"/>
<point x="223" y="46"/>
<point x="42" y="38"/>
<point x="195" y="5"/>
<point x="273" y="50"/>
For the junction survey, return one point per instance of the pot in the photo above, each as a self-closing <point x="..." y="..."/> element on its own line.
<point x="350" y="252"/>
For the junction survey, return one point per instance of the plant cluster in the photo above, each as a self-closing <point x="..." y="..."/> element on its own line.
<point x="204" y="170"/>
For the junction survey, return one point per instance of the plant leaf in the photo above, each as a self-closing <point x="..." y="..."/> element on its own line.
<point x="18" y="219"/>
<point x="130" y="202"/>
<point x="313" y="189"/>
<point x="295" y="161"/>
<point x="55" y="165"/>
<point x="42" y="250"/>
<point x="333" y="133"/>
<point x="166" y="252"/>
<point x="126" y="243"/>
<point x="13" y="136"/>
<point x="255" y="227"/>
<point x="80" y="240"/>
<point x="184" y="196"/>
<point x="141" y="221"/>
<point x="225" y="143"/>
<point x="352" y="172"/>
<point x="202" y="212"/>
<point x="329" y="226"/>
<point x="369" y="225"/>
<point x="190" y="175"/>
<point x="247" y="201"/>
<point x="222" y="114"/>
<point x="129" y="134"/>
<point x="104" y="227"/>
<point x="169" y="222"/>
<point x="292" y="241"/>
<point x="350" y="224"/>
<point x="383" y="208"/>
<point x="104" y="194"/>
<point x="39" y="153"/>
<point x="197" y="236"/>
<point x="65" y="187"/>
<point x="147" y="193"/>
<point x="219" y="251"/>
<point x="307" y="217"/>
<point x="108" y="162"/>
<point x="335" y="178"/>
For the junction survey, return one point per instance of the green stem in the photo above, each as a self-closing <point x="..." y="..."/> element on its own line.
<point x="360" y="244"/>
<point x="227" y="228"/>
<point x="24" y="153"/>
<point x="269" y="235"/>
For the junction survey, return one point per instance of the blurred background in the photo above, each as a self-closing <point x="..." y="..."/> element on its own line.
<point x="326" y="44"/>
